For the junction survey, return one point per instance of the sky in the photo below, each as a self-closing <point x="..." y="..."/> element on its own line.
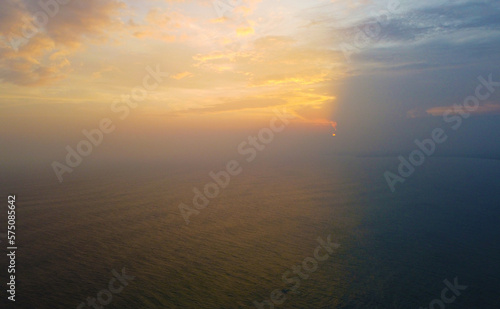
<point x="377" y="74"/>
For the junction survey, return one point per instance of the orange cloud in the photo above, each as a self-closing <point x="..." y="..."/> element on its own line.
<point x="486" y="108"/>
<point x="41" y="57"/>
<point x="182" y="75"/>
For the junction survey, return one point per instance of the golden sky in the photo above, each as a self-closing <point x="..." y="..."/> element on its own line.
<point x="66" y="64"/>
<point x="242" y="58"/>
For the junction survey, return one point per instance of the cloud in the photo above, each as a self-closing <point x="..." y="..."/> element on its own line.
<point x="242" y="31"/>
<point x="36" y="59"/>
<point x="429" y="34"/>
<point x="12" y="13"/>
<point x="485" y="108"/>
<point x="182" y="75"/>
<point x="427" y="56"/>
<point x="232" y="105"/>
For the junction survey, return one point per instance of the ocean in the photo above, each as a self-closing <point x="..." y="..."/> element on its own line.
<point x="396" y="250"/>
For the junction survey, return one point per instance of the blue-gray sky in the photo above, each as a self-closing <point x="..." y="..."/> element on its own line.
<point x="428" y="57"/>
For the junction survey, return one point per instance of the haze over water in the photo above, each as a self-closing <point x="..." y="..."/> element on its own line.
<point x="250" y="154"/>
<point x="395" y="249"/>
